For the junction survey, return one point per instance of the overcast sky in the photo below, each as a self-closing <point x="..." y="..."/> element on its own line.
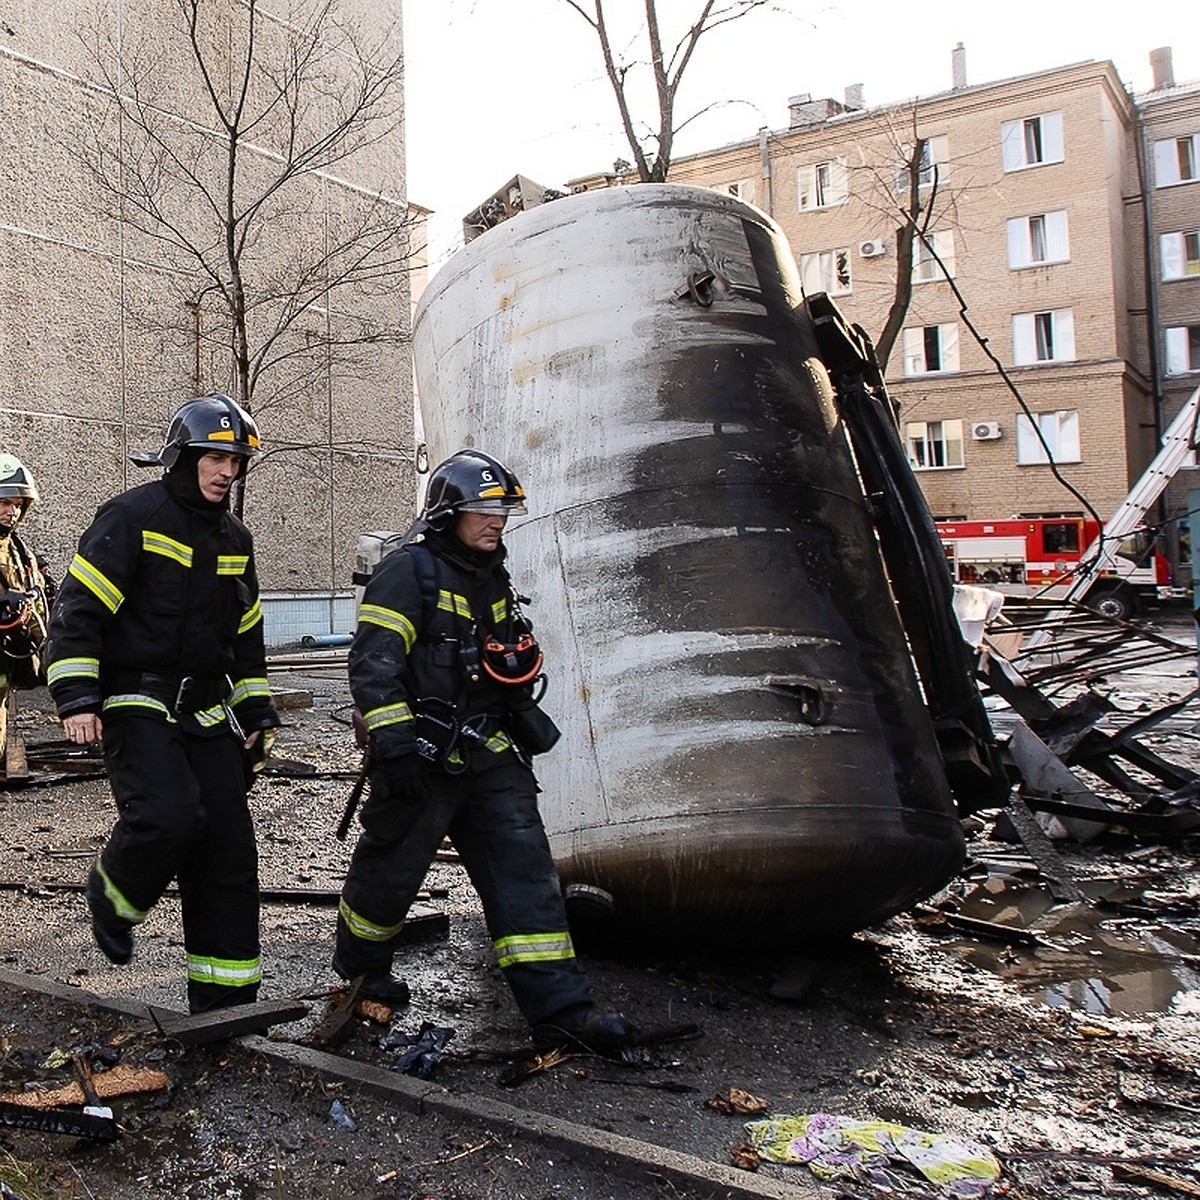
<point x="500" y="87"/>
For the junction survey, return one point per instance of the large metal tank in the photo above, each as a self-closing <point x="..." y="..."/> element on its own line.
<point x="746" y="757"/>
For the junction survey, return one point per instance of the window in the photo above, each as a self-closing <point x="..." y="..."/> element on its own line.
<point x="1032" y="142"/>
<point x="925" y="265"/>
<point x="1059" y="430"/>
<point x="929" y="348"/>
<point x="1183" y="349"/>
<point x="743" y="189"/>
<point x="1180" y="254"/>
<point x="826" y="271"/>
<point x="822" y="185"/>
<point x="1033" y="241"/>
<point x="1043" y="337"/>
<point x="934" y="155"/>
<point x="1177" y="160"/>
<point x="1061" y="537"/>
<point x="933" y="445"/>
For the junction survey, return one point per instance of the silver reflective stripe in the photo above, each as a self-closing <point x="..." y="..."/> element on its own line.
<point x="368" y="931"/>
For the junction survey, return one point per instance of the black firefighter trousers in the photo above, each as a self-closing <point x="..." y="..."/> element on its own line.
<point x="493" y="821"/>
<point x="182" y="814"/>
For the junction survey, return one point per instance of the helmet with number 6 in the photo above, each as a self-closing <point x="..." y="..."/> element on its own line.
<point x="471" y="481"/>
<point x="208" y="423"/>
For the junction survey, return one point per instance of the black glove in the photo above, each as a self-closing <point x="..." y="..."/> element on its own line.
<point x="405" y="778"/>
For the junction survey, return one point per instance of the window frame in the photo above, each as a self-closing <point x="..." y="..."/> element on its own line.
<point x="1053" y="328"/>
<point x="1057" y="426"/>
<point x="812" y="183"/>
<point x="1016" y="138"/>
<point x="1179" y="255"/>
<point x="1181" y="346"/>
<point x="946" y="443"/>
<point x="833" y="275"/>
<point x="943" y="246"/>
<point x="1052" y="229"/>
<point x="1167" y="163"/>
<point x="916" y="344"/>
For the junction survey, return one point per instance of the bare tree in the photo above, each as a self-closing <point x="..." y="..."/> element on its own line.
<point x="667" y="71"/>
<point x="225" y="169"/>
<point x="906" y="190"/>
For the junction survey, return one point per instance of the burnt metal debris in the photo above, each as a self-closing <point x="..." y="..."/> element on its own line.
<point x="1065" y="765"/>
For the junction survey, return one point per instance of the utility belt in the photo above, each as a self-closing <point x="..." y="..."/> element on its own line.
<point x="445" y="736"/>
<point x="180" y="693"/>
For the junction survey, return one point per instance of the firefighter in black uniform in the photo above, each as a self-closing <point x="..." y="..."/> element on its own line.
<point x="156" y="648"/>
<point x="25" y="590"/>
<point x="442" y="670"/>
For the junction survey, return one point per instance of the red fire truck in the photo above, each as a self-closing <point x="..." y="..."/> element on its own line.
<point x="1039" y="557"/>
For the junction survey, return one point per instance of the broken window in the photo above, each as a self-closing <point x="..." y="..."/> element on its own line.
<point x="826" y="271"/>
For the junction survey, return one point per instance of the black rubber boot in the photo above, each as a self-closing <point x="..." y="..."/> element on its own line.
<point x="382" y="988"/>
<point x="113" y="935"/>
<point x="583" y="1027"/>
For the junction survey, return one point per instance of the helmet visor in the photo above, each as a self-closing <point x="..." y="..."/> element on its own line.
<point x="507" y="508"/>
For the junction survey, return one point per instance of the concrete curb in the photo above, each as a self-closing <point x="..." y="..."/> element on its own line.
<point x="625" y="1156"/>
<point x="622" y="1155"/>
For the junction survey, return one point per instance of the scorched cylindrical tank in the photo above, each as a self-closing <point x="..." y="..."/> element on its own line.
<point x="746" y="757"/>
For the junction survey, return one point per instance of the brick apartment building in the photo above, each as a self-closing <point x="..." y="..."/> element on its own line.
<point x="1064" y="215"/>
<point x="101" y="333"/>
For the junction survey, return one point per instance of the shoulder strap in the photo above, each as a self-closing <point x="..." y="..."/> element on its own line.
<point x="427" y="580"/>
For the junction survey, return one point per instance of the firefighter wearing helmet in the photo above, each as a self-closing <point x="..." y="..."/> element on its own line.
<point x="443" y="670"/>
<point x="156" y="649"/>
<point x="25" y="590"/>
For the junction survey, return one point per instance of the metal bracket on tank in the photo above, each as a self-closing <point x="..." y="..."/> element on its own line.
<point x="699" y="288"/>
<point x="815" y="709"/>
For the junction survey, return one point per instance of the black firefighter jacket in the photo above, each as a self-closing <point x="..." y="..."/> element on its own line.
<point x="415" y="671"/>
<point x="163" y="583"/>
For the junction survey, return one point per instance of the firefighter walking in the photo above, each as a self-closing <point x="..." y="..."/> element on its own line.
<point x="25" y="591"/>
<point x="156" y="649"/>
<point x="442" y="670"/>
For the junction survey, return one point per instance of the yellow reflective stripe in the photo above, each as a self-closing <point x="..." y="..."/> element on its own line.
<point x="137" y="700"/>
<point x="116" y="898"/>
<point x="247" y="689"/>
<point x="168" y="547"/>
<point x="366" y="930"/>
<point x="251" y="618"/>
<point x="498" y="743"/>
<point x="499" y="611"/>
<point x="3" y="681"/>
<point x="452" y="602"/>
<point x="97" y="583"/>
<point x="232" y="564"/>
<point x="226" y="972"/>
<point x="206" y="718"/>
<point x="533" y="947"/>
<point x="389" y="618"/>
<point x="388" y="714"/>
<point x="73" y="668"/>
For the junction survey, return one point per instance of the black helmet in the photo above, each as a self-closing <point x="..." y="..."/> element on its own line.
<point x="16" y="480"/>
<point x="471" y="481"/>
<point x="209" y="423"/>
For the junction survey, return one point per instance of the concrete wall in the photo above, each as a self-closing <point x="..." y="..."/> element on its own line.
<point x="98" y="344"/>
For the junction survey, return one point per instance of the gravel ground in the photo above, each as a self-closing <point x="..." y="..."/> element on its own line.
<point x="1077" y="1062"/>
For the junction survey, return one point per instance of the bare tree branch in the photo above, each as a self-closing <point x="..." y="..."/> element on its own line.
<point x="228" y="169"/>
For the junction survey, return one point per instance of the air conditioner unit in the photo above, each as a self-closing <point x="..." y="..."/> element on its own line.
<point x="985" y="431"/>
<point x="874" y="248"/>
